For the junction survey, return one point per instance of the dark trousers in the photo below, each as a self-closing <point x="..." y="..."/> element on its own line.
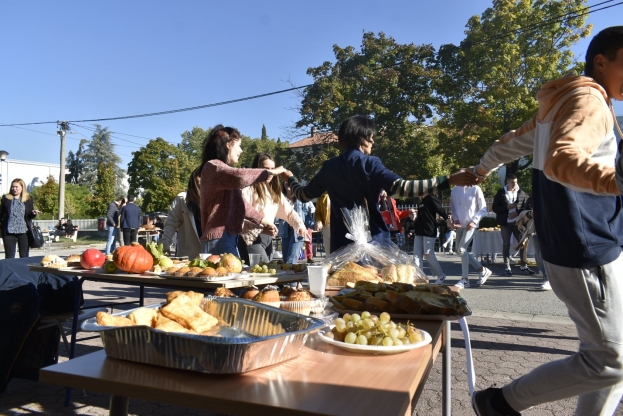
<point x="130" y="235"/>
<point x="507" y="231"/>
<point x="11" y="240"/>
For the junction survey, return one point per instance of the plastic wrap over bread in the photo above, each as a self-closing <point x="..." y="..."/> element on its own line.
<point x="368" y="260"/>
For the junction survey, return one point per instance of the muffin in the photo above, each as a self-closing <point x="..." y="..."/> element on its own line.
<point x="221" y="271"/>
<point x="268" y="296"/>
<point x="223" y="292"/>
<point x="299" y="301"/>
<point x="194" y="271"/>
<point x="208" y="272"/>
<point x="182" y="271"/>
<point x="249" y="292"/>
<point x="286" y="290"/>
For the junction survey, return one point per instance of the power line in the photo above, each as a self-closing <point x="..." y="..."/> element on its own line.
<point x="118" y="138"/>
<point x="36" y="131"/>
<point x="160" y="113"/>
<point x="546" y="22"/>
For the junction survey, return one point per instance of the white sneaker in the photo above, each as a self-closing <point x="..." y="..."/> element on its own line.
<point x="546" y="285"/>
<point x="450" y="252"/>
<point x="440" y="280"/>
<point x="445" y="245"/>
<point x="463" y="283"/>
<point x="484" y="275"/>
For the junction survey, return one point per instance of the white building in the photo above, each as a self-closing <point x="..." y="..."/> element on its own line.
<point x="32" y="173"/>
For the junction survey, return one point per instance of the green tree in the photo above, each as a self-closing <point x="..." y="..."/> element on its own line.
<point x="264" y="135"/>
<point x="192" y="145"/>
<point x="76" y="201"/>
<point x="75" y="163"/>
<point x="489" y="81"/>
<point x="101" y="149"/>
<point x="251" y="147"/>
<point x="158" y="172"/>
<point x="384" y="80"/>
<point x="103" y="190"/>
<point x="45" y="198"/>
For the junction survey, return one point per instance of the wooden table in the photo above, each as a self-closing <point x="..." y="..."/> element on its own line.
<point x="323" y="380"/>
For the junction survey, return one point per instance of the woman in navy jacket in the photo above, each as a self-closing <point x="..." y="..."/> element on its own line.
<point x="16" y="213"/>
<point x="356" y="178"/>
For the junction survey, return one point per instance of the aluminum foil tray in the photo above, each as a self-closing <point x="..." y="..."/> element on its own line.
<point x="251" y="336"/>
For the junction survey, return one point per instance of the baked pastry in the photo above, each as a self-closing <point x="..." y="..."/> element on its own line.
<point x="196" y="297"/>
<point x="221" y="271"/>
<point x="53" y="261"/>
<point x="208" y="271"/>
<point x="73" y="260"/>
<point x="223" y="292"/>
<point x="269" y="294"/>
<point x="182" y="271"/>
<point x="299" y="296"/>
<point x="286" y="290"/>
<point x="194" y="271"/>
<point x="249" y="292"/>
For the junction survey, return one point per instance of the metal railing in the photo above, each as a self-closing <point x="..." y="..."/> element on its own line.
<point x="83" y="224"/>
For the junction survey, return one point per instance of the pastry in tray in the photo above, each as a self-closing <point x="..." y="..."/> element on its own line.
<point x="73" y="260"/>
<point x="53" y="261"/>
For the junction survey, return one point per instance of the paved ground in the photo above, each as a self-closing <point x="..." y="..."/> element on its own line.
<point x="514" y="328"/>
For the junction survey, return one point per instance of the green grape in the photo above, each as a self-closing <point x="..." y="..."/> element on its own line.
<point x="401" y="332"/>
<point x="393" y="333"/>
<point x="350" y="338"/>
<point x="376" y="340"/>
<point x="362" y="340"/>
<point x="341" y="328"/>
<point x="339" y="322"/>
<point x="384" y="317"/>
<point x="411" y="329"/>
<point x="374" y="318"/>
<point x="368" y="335"/>
<point x="405" y="340"/>
<point x="392" y="324"/>
<point x="272" y="271"/>
<point x="329" y="335"/>
<point x="351" y="327"/>
<point x="365" y="314"/>
<point x="346" y="317"/>
<point x="368" y="323"/>
<point x="397" y="341"/>
<point x="415" y="337"/>
<point x="355" y="317"/>
<point x="388" y="342"/>
<point x="359" y="324"/>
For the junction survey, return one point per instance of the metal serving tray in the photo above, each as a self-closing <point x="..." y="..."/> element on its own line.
<point x="251" y="336"/>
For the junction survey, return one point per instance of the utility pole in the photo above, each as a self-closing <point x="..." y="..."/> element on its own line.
<point x="62" y="131"/>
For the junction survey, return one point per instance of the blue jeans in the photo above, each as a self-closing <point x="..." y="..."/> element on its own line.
<point x="291" y="248"/>
<point x="424" y="249"/>
<point x="228" y="243"/>
<point x="464" y="237"/>
<point x="112" y="239"/>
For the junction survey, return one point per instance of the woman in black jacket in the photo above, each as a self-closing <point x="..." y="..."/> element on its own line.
<point x="426" y="234"/>
<point x="16" y="213"/>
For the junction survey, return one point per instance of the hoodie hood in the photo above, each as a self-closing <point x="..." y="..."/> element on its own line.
<point x="554" y="90"/>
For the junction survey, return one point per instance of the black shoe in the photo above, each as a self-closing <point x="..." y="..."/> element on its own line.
<point x="527" y="271"/>
<point x="508" y="273"/>
<point x="482" y="402"/>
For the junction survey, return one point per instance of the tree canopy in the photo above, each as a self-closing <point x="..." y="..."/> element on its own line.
<point x="100" y="149"/>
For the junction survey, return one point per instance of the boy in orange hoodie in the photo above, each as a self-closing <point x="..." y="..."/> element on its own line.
<point x="579" y="220"/>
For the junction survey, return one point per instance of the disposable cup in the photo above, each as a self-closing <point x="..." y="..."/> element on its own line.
<point x="204" y="256"/>
<point x="317" y="276"/>
<point x="254" y="259"/>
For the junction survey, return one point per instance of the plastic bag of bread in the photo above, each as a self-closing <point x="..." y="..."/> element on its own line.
<point x="367" y="260"/>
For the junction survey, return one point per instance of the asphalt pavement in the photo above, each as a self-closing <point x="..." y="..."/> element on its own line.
<point x="514" y="327"/>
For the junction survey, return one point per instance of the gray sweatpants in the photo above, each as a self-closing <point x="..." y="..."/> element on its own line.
<point x="594" y="298"/>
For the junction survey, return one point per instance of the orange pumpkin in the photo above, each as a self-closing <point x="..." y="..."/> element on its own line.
<point x="133" y="259"/>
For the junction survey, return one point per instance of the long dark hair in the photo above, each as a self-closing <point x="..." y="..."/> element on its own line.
<point x="215" y="145"/>
<point x="193" y="193"/>
<point x="274" y="189"/>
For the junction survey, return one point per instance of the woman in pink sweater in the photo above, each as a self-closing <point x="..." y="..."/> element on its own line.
<point x="223" y="209"/>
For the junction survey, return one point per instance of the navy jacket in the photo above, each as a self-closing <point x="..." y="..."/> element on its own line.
<point x="130" y="216"/>
<point x="353" y="179"/>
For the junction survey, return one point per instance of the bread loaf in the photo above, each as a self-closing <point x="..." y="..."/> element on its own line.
<point x="343" y="276"/>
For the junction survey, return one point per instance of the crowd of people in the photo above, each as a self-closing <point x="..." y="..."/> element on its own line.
<point x="575" y="209"/>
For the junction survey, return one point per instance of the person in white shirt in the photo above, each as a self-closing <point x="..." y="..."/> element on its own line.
<point x="468" y="206"/>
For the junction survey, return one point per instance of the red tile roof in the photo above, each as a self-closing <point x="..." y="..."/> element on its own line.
<point x="318" y="138"/>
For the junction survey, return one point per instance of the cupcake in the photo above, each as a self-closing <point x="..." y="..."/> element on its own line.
<point x="299" y="301"/>
<point x="208" y="272"/>
<point x="269" y="295"/>
<point x="286" y="290"/>
<point x="221" y="271"/>
<point x="223" y="292"/>
<point x="193" y="271"/>
<point x="182" y="271"/>
<point x="249" y="292"/>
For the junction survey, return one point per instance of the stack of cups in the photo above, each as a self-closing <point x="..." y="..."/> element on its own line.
<point x="317" y="276"/>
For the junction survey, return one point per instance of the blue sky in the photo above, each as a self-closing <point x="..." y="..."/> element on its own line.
<point x="74" y="60"/>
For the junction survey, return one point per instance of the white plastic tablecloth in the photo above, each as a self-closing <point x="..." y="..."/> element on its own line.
<point x="490" y="242"/>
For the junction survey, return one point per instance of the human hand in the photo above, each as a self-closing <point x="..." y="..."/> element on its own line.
<point x="36" y="211"/>
<point x="302" y="232"/>
<point x="511" y="206"/>
<point x="464" y="177"/>
<point x="277" y="171"/>
<point x="470" y="226"/>
<point x="512" y="215"/>
<point x="286" y="175"/>
<point x="318" y="226"/>
<point x="270" y="229"/>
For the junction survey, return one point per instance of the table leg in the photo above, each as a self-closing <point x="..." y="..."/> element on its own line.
<point x="118" y="406"/>
<point x="74" y="329"/>
<point x="446" y="392"/>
